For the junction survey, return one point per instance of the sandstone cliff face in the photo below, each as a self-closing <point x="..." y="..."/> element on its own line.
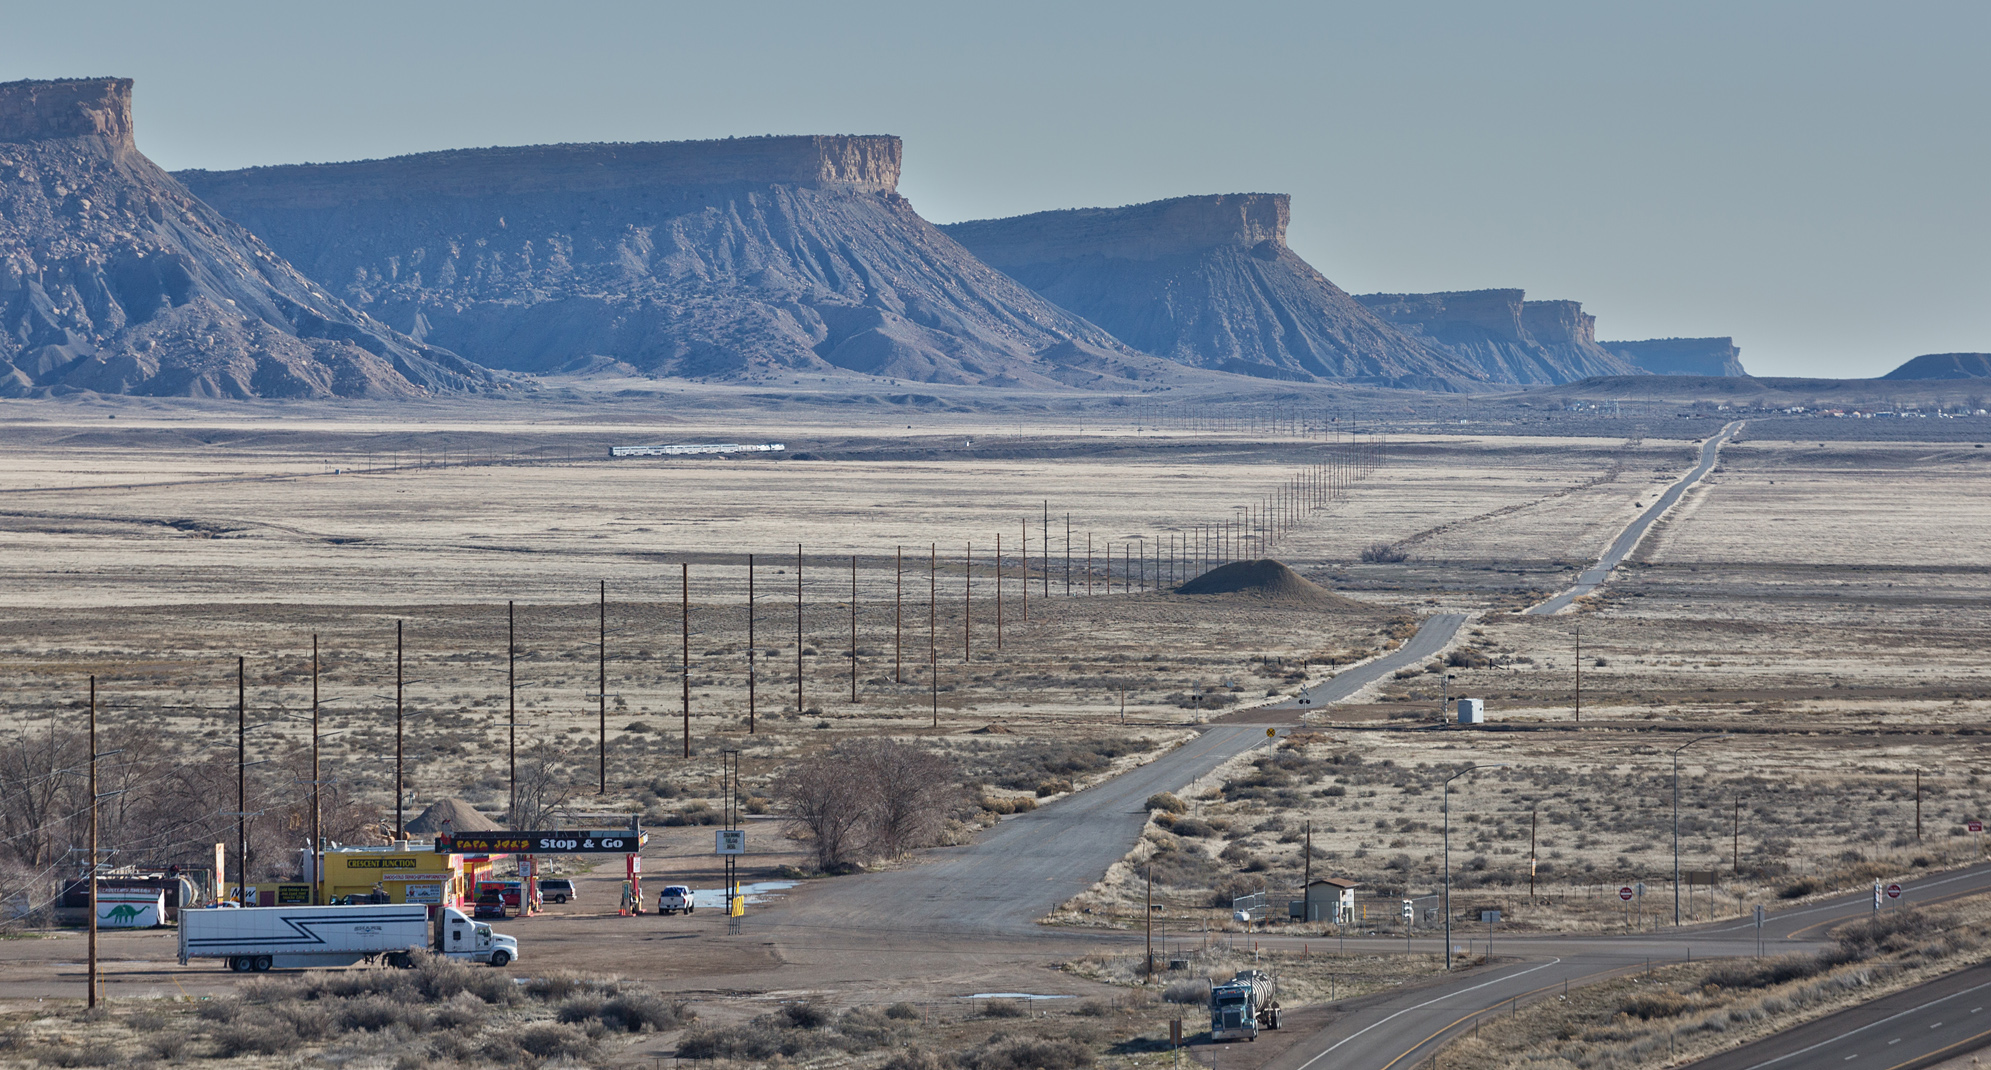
<point x="1944" y="366"/>
<point x="1507" y="338"/>
<point x="1207" y="281"/>
<point x="1682" y="356"/>
<point x="114" y="278"/>
<point x="730" y="259"/>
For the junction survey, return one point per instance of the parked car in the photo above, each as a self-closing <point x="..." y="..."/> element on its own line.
<point x="556" y="890"/>
<point x="673" y="898"/>
<point x="489" y="905"/>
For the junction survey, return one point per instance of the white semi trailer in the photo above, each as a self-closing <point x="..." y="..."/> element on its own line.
<point x="254" y="939"/>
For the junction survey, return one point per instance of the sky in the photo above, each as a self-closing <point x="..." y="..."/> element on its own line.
<point x="1809" y="178"/>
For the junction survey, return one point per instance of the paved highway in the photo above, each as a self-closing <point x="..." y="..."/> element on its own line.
<point x="1025" y="867"/>
<point x="1922" y="1026"/>
<point x="1628" y="540"/>
<point x="1400" y="1029"/>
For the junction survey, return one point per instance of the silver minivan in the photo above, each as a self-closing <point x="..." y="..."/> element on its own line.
<point x="556" y="889"/>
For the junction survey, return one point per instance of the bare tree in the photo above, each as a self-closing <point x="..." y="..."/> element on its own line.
<point x="910" y="791"/>
<point x="826" y="801"/>
<point x="869" y="798"/>
<point x="546" y="784"/>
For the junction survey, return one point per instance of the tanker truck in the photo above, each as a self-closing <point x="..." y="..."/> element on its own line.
<point x="1239" y="1006"/>
<point x="254" y="939"/>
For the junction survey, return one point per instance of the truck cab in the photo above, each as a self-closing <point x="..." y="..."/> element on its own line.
<point x="1239" y="1006"/>
<point x="461" y="937"/>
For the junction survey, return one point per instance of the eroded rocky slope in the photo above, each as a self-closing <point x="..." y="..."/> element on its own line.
<point x="114" y="278"/>
<point x="1209" y="282"/>
<point x="744" y="258"/>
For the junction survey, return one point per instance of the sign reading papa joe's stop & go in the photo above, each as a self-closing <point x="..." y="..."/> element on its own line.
<point x="611" y="842"/>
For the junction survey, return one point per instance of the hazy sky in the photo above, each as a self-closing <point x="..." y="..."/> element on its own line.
<point x="1812" y="178"/>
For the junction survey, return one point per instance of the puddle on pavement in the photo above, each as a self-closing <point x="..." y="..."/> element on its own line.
<point x="758" y="892"/>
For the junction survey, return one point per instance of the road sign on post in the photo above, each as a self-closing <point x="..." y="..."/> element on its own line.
<point x="1975" y="826"/>
<point x="1894" y="891"/>
<point x="1625" y="893"/>
<point x="730" y="842"/>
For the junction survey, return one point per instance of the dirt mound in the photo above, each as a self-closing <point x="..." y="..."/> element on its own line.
<point x="459" y="815"/>
<point x="1265" y="580"/>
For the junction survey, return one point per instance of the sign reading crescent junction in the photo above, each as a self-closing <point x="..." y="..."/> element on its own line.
<point x="610" y="842"/>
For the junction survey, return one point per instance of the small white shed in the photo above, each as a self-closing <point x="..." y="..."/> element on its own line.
<point x="1472" y="711"/>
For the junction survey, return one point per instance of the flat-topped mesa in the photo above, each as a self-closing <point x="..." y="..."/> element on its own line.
<point x="67" y="107"/>
<point x="1510" y="338"/>
<point x="1682" y="356"/>
<point x="1207" y="281"/>
<point x="115" y="279"/>
<point x="1137" y="232"/>
<point x="742" y="258"/>
<point x="859" y="161"/>
<point x="1497" y="312"/>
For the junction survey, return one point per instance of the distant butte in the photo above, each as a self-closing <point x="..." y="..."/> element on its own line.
<point x="1506" y="338"/>
<point x="1208" y="281"/>
<point x="740" y="259"/>
<point x="113" y="278"/>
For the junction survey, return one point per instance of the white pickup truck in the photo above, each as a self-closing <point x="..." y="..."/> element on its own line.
<point x="673" y="898"/>
<point x="254" y="939"/>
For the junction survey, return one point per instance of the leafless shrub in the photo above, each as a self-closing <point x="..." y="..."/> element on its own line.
<point x="1002" y="1008"/>
<point x="1191" y="992"/>
<point x="1028" y="1053"/>
<point x="1383" y="553"/>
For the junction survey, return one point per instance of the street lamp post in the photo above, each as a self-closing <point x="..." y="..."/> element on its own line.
<point x="1676" y="820"/>
<point x="1448" y="851"/>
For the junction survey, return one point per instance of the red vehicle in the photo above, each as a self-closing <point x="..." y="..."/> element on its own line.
<point x="507" y="891"/>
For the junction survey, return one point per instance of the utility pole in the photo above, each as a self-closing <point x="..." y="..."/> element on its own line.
<point x="1532" y="814"/>
<point x="1676" y="821"/>
<point x="1307" y="874"/>
<point x="797" y="628"/>
<point x="1579" y="674"/>
<point x="1068" y="555"/>
<point x="899" y="615"/>
<point x="1448" y="855"/>
<point x="317" y="825"/>
<point x="511" y="699"/>
<point x="684" y="653"/>
<point x="1149" y="976"/>
<point x="998" y="579"/>
<point x="1735" y="860"/>
<point x="750" y="644"/>
<point x="601" y="688"/>
<point x="241" y="781"/>
<point x="91" y="980"/>
<point x="967" y="603"/>
<point x="1918" y="806"/>
<point x="401" y="827"/>
<point x="1026" y="571"/>
<point x="1047" y="547"/>
<point x="853" y="629"/>
<point x="933" y="626"/>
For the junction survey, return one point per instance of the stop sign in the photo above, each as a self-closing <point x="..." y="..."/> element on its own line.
<point x="1625" y="894"/>
<point x="1894" y="891"/>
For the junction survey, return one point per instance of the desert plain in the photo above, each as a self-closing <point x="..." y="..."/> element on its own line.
<point x="1805" y="618"/>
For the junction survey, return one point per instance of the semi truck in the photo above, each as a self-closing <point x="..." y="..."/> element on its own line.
<point x="254" y="939"/>
<point x="1239" y="1006"/>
